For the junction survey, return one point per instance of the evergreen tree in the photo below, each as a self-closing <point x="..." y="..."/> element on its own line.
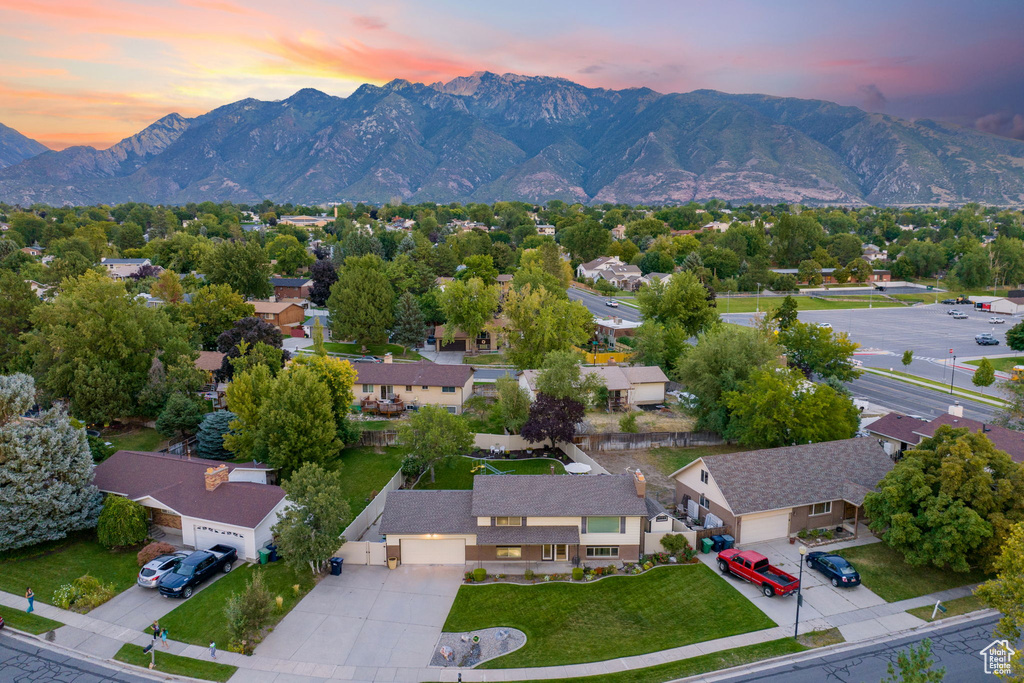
<point x="46" y="488"/>
<point x="180" y="417"/>
<point x="16" y="306"/>
<point x="409" y="324"/>
<point x="210" y="438"/>
<point x="361" y="304"/>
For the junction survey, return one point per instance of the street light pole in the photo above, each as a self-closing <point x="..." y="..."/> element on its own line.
<point x="757" y="299"/>
<point x="952" y="374"/>
<point x="799" y="596"/>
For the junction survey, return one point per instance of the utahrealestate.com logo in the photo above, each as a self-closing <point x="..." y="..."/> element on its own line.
<point x="997" y="657"/>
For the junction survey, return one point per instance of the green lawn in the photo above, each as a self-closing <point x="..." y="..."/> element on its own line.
<point x="29" y="623"/>
<point x="671" y="459"/>
<point x="748" y="304"/>
<point x="695" y="665"/>
<point x="200" y="619"/>
<point x="614" y="617"/>
<point x="139" y="439"/>
<point x="884" y="571"/>
<point x="46" y="566"/>
<point x="366" y="470"/>
<point x="954" y="608"/>
<point x="175" y="664"/>
<point x="485" y="359"/>
<point x="373" y="350"/>
<point x="459" y="474"/>
<point x="1004" y="364"/>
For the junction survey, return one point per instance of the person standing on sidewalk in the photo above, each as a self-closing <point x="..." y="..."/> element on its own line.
<point x="163" y="637"/>
<point x="213" y="649"/>
<point x="156" y="631"/>
<point x="31" y="597"/>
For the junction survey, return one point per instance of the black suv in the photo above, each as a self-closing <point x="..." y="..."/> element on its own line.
<point x="196" y="568"/>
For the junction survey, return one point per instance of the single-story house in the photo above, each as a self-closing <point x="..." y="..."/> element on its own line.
<point x="628" y="385"/>
<point x="123" y="268"/>
<point x="898" y="433"/>
<point x="519" y="518"/>
<point x="32" y="251"/>
<point x="415" y="384"/>
<point x="207" y="501"/>
<point x="773" y="493"/>
<point x="613" y="328"/>
<point x="485" y="341"/>
<point x="310" y="322"/>
<point x="291" y="287"/>
<point x="284" y="315"/>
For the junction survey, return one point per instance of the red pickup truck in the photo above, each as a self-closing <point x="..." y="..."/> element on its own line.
<point x="754" y="567"/>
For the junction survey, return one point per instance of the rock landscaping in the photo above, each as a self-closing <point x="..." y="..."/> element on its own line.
<point x="469" y="649"/>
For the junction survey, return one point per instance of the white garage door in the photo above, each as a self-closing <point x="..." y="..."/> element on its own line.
<point x="764" y="526"/>
<point x="207" y="537"/>
<point x="440" y="551"/>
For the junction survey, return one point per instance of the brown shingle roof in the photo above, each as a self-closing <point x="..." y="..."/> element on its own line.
<point x="428" y="512"/>
<point x="180" y="485"/>
<point x="272" y="307"/>
<point x="421" y="373"/>
<point x="1004" y="439"/>
<point x="898" y="426"/>
<point x="559" y="495"/>
<point x="209" y="360"/>
<point x="776" y="478"/>
<point x="532" y="535"/>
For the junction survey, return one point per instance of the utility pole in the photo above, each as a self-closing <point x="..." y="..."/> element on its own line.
<point x="952" y="375"/>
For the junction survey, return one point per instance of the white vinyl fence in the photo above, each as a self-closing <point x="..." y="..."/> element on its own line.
<point x="367" y="552"/>
<point x="578" y="455"/>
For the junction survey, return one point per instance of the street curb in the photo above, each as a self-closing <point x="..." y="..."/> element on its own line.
<point x="838" y="648"/>
<point x="957" y="394"/>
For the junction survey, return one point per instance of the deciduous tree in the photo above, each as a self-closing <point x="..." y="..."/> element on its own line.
<point x="786" y="314"/>
<point x="246" y="613"/>
<point x="1006" y="593"/>
<point x="540" y="322"/>
<point x="253" y="331"/>
<point x="212" y="311"/>
<point x="817" y="350"/>
<point x="549" y="257"/>
<point x="122" y="523"/>
<point x="168" y="288"/>
<point x="467" y="306"/>
<point x="244" y="265"/>
<point x="552" y="419"/>
<point x="324" y="275"/>
<point x="297" y="421"/>
<point x="915" y="666"/>
<point x="513" y="406"/>
<point x="180" y="417"/>
<point x="435" y="435"/>
<point x="562" y="376"/>
<point x="361" y="304"/>
<point x="985" y="375"/>
<point x="289" y="254"/>
<point x="309" y="530"/>
<point x="245" y="395"/>
<point x="410" y="327"/>
<point x="908" y="358"/>
<point x="16" y="306"/>
<point x="683" y="300"/>
<point x="1015" y="337"/>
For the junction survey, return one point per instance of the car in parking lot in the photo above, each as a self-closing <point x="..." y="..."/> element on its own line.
<point x="949" y="302"/>
<point x="611" y="302"/>
<point x="996" y="321"/>
<point x="954" y="311"/>
<point x="985" y="339"/>
<point x="959" y="315"/>
<point x="149" y="575"/>
<point x="836" y="569"/>
<point x="827" y="326"/>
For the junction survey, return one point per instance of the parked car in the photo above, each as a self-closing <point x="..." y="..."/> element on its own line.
<point x="949" y="302"/>
<point x="959" y="315"/>
<point x="151" y="572"/>
<point x="985" y="339"/>
<point x="196" y="568"/>
<point x="837" y="569"/>
<point x="366" y="359"/>
<point x="755" y="568"/>
<point x="611" y="302"/>
<point x="953" y="311"/>
<point x="827" y="326"/>
<point x="997" y="321"/>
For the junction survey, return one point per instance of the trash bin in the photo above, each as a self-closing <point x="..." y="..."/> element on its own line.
<point x="336" y="563"/>
<point x="729" y="540"/>
<point x="392" y="563"/>
<point x="719" y="543"/>
<point x="264" y="555"/>
<point x="273" y="552"/>
<point x="706" y="545"/>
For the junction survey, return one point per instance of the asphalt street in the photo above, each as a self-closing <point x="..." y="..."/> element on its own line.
<point x="915" y="400"/>
<point x="956" y="648"/>
<point x="25" y="661"/>
<point x="595" y="303"/>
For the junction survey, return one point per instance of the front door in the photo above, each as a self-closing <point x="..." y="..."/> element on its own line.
<point x="385" y="391"/>
<point x="556" y="551"/>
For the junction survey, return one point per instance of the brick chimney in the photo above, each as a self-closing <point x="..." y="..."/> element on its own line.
<point x="388" y="358"/>
<point x="641" y="484"/>
<point x="215" y="476"/>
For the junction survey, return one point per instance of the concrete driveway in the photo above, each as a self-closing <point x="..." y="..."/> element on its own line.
<point x="368" y="617"/>
<point x="137" y="607"/>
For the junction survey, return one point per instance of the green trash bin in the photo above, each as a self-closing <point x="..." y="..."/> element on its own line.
<point x="706" y="544"/>
<point x="264" y="555"/>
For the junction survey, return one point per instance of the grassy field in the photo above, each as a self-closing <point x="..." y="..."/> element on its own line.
<point x="884" y="571"/>
<point x="748" y="304"/>
<point x="46" y="566"/>
<point x="459" y="474"/>
<point x="615" y="617"/>
<point x="200" y="619"/>
<point x="932" y="384"/>
<point x="1003" y="364"/>
<point x="366" y="471"/>
<point x="954" y="608"/>
<point x="671" y="459"/>
<point x="175" y="664"/>
<point x="139" y="439"/>
<point x="29" y="623"/>
<point x="372" y="350"/>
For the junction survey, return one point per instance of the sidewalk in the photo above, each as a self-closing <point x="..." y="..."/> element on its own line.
<point x="97" y="638"/>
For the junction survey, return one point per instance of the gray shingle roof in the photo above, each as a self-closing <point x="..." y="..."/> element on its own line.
<point x="532" y="535"/>
<point x="290" y="281"/>
<point x="421" y="373"/>
<point x="555" y="495"/>
<point x="428" y="512"/>
<point x="776" y="478"/>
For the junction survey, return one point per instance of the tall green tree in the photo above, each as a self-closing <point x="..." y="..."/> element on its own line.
<point x="247" y="612"/>
<point x="435" y="436"/>
<point x="908" y="358"/>
<point x="1015" y="337"/>
<point x="586" y="240"/>
<point x="16" y="306"/>
<point x="513" y="405"/>
<point x="562" y="376"/>
<point x="122" y="523"/>
<point x="1006" y="593"/>
<point x="361" y="304"/>
<point x="245" y="396"/>
<point x="468" y="306"/>
<point x="309" y="530"/>
<point x="181" y="416"/>
<point x="244" y="265"/>
<point x="794" y="237"/>
<point x="479" y="266"/>
<point x="540" y="322"/>
<point x="47" y="468"/>
<point x="683" y="300"/>
<point x="950" y="502"/>
<point x="985" y="375"/>
<point x="548" y="257"/>
<point x="786" y="314"/>
<point x="212" y="311"/>
<point x="410" y="327"/>
<point x="817" y="350"/>
<point x="210" y="437"/>
<point x="297" y="421"/>
<point x="289" y="254"/>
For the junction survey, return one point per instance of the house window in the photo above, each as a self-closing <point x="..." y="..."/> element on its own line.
<point x="448" y="390"/>
<point x="508" y="521"/>
<point x="602" y="525"/>
<point x="425" y="388"/>
<point x="821" y="508"/>
<point x="367" y="388"/>
<point x="408" y="388"/>
<point x="603" y="551"/>
<point x="704" y="502"/>
<point x="703" y="476"/>
<point x="454" y="410"/>
<point x="509" y="552"/>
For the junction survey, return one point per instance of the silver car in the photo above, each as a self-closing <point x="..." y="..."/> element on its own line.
<point x="150" y="574"/>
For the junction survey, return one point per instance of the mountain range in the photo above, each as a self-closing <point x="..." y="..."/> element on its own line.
<point x="490" y="137"/>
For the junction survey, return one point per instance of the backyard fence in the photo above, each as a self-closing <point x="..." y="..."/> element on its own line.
<point x="622" y="441"/>
<point x="385" y="437"/>
<point x="367" y="552"/>
<point x="576" y="454"/>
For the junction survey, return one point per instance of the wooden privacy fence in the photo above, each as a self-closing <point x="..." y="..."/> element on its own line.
<point x="386" y="437"/>
<point x="622" y="441"/>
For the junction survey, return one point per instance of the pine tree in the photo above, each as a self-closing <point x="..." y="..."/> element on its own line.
<point x="46" y="467"/>
<point x="409" y="324"/>
<point x="210" y="438"/>
<point x="361" y="304"/>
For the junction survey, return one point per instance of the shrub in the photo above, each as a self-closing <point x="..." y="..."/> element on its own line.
<point x="412" y="466"/>
<point x="610" y="569"/>
<point x="122" y="523"/>
<point x="802" y="533"/>
<point x="627" y="423"/>
<point x="829" y="534"/>
<point x="674" y="543"/>
<point x="469" y="577"/>
<point x="528" y="575"/>
<point x="153" y="551"/>
<point x="82" y="594"/>
<point x="577" y="574"/>
<point x="479" y="574"/>
<point x="248" y="612"/>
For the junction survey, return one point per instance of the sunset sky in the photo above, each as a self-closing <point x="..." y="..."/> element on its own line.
<point x="92" y="72"/>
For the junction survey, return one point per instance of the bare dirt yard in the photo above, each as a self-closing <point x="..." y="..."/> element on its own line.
<point x="649" y="421"/>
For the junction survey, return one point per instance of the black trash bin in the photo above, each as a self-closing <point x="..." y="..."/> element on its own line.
<point x="728" y="540"/>
<point x="336" y="563"/>
<point x="719" y="543"/>
<point x="273" y="552"/>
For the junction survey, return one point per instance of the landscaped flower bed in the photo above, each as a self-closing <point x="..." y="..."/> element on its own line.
<point x="585" y="573"/>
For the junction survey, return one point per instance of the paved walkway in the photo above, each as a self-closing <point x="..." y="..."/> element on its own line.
<point x="100" y="638"/>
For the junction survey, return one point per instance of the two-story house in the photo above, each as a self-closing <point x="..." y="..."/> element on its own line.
<point x="291" y="287"/>
<point x="519" y="518"/>
<point x="414" y="384"/>
<point x="285" y="316"/>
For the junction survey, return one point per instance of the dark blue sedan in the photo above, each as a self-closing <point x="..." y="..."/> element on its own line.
<point x="836" y="568"/>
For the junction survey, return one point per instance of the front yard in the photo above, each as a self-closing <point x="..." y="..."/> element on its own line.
<point x="614" y="617"/>
<point x="459" y="475"/>
<point x="366" y="471"/>
<point x="200" y="619"/>
<point x="885" y="573"/>
<point x="954" y="608"/>
<point x="29" y="623"/>
<point x="176" y="665"/>
<point x="46" y="566"/>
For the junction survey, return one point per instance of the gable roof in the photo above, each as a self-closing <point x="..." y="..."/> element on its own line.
<point x="210" y="360"/>
<point x="428" y="512"/>
<point x="421" y="373"/>
<point x="124" y="261"/>
<point x="777" y="478"/>
<point x="290" y="281"/>
<point x="272" y="307"/>
<point x="557" y="495"/>
<point x="614" y="377"/>
<point x="1004" y="439"/>
<point x="180" y="484"/>
<point x="898" y="426"/>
